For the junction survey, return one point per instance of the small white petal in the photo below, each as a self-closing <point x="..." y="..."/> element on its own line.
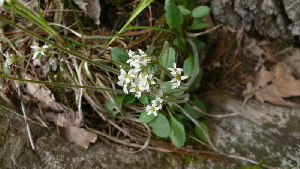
<point x="35" y="55"/>
<point x="125" y="89"/>
<point x="184" y="77"/>
<point x="35" y="47"/>
<point x="45" y="46"/>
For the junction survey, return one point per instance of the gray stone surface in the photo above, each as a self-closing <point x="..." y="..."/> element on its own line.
<point x="52" y="152"/>
<point x="260" y="131"/>
<point x="270" y="18"/>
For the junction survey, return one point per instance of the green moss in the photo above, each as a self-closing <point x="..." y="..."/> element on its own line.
<point x="63" y="95"/>
<point x="189" y="159"/>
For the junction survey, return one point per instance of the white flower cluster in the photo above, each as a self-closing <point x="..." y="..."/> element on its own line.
<point x="176" y="73"/>
<point x="156" y="105"/>
<point x="39" y="50"/>
<point x="138" y="80"/>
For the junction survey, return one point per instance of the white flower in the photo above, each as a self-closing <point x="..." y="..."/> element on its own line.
<point x="175" y="70"/>
<point x="142" y="81"/>
<point x="134" y="61"/>
<point x="125" y="78"/>
<point x="177" y="80"/>
<point x="157" y="102"/>
<point x="132" y="54"/>
<point x="7" y="62"/>
<point x="137" y="89"/>
<point x="142" y="53"/>
<point x="125" y="89"/>
<point x="175" y="83"/>
<point x="150" y="79"/>
<point x="144" y="60"/>
<point x="152" y="110"/>
<point x="39" y="50"/>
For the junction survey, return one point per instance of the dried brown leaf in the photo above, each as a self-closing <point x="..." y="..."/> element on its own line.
<point x="91" y="7"/>
<point x="273" y="86"/>
<point x="80" y="136"/>
<point x="42" y="94"/>
<point x="68" y="118"/>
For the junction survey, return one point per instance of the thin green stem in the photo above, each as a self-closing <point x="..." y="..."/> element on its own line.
<point x="151" y="28"/>
<point x="141" y="6"/>
<point x="62" y="48"/>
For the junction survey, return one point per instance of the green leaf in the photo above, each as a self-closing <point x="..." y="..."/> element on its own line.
<point x="199" y="44"/>
<point x="151" y="98"/>
<point x="145" y="118"/>
<point x="174" y="17"/>
<point x="201" y="133"/>
<point x="160" y="126"/>
<point x="200" y="11"/>
<point x="199" y="26"/>
<point x="252" y="167"/>
<point x="6" y="69"/>
<point x="199" y="104"/>
<point x="119" y="101"/>
<point x="144" y="99"/>
<point x="193" y="113"/>
<point x="177" y="134"/>
<point x="168" y="88"/>
<point x="119" y="54"/>
<point x="130" y="99"/>
<point x="179" y="43"/>
<point x="183" y="10"/>
<point x="179" y="117"/>
<point x="111" y="108"/>
<point x="168" y="58"/>
<point x="188" y="66"/>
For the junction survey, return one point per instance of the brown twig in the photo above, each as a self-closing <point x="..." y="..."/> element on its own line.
<point x="193" y="35"/>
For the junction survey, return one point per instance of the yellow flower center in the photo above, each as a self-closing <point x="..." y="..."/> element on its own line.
<point x="127" y="75"/>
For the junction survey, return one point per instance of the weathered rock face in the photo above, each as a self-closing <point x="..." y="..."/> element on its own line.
<point x="270" y="18"/>
<point x="260" y="131"/>
<point x="52" y="152"/>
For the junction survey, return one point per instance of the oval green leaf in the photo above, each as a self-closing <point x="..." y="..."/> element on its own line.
<point x="200" y="132"/>
<point x="160" y="126"/>
<point x="183" y="10"/>
<point x="145" y="118"/>
<point x="188" y="66"/>
<point x="199" y="44"/>
<point x="174" y="17"/>
<point x="193" y="113"/>
<point x="168" y="58"/>
<point x="179" y="43"/>
<point x="200" y="105"/>
<point x="119" y="101"/>
<point x="200" y="11"/>
<point x="144" y="99"/>
<point x="119" y="54"/>
<point x="177" y="134"/>
<point x="130" y="99"/>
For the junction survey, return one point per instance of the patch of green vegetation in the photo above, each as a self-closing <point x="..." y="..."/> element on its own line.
<point x="189" y="159"/>
<point x="63" y="95"/>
